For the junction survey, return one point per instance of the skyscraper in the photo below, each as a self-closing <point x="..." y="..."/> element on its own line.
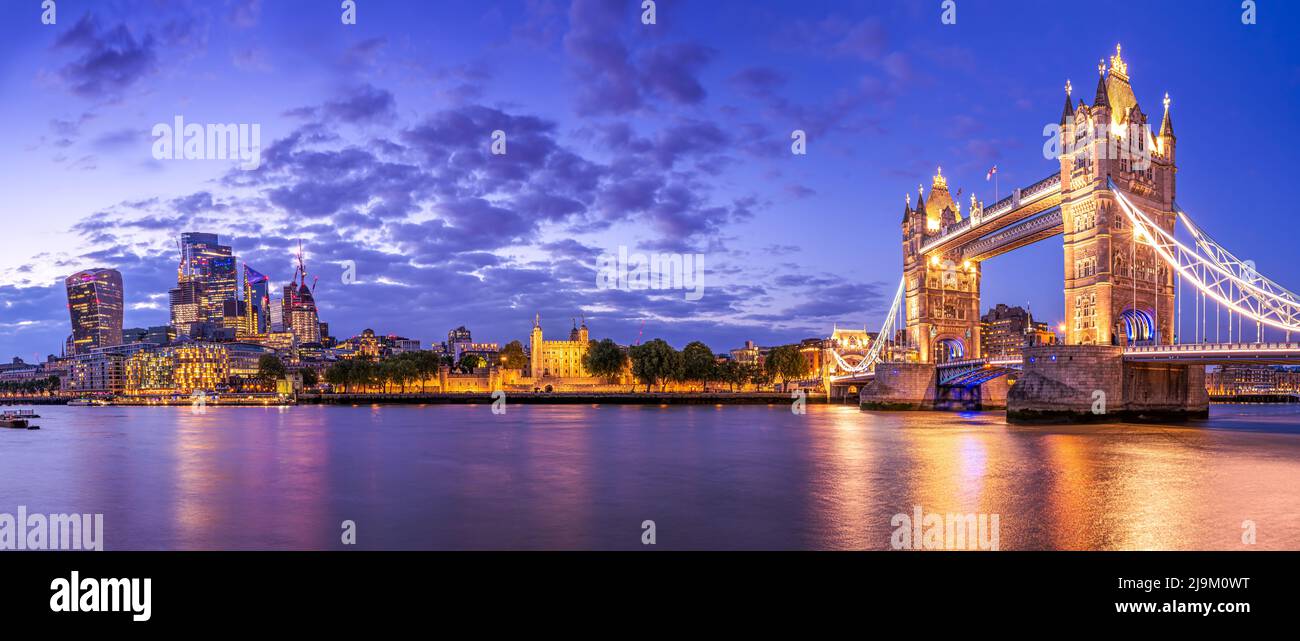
<point x="95" y="305"/>
<point x="299" y="313"/>
<point x="257" y="301"/>
<point x="212" y="264"/>
<point x="186" y="301"/>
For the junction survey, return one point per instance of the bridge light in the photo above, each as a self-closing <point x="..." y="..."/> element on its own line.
<point x="934" y="261"/>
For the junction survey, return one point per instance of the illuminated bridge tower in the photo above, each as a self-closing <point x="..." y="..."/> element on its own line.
<point x="942" y="292"/>
<point x="1117" y="291"/>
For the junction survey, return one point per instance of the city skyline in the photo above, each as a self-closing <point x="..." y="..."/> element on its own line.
<point x="686" y="152"/>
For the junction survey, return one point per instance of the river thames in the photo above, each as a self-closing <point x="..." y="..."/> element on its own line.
<point x="587" y="477"/>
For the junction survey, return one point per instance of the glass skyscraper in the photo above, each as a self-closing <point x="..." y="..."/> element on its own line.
<point x="95" y="305"/>
<point x="212" y="264"/>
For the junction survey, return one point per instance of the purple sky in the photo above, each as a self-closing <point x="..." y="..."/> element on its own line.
<point x="666" y="137"/>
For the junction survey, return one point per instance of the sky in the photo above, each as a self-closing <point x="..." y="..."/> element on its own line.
<point x="376" y="150"/>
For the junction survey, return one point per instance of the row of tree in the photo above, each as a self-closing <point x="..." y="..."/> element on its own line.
<point x="654" y="363"/>
<point x="33" y="386"/>
<point x="658" y="363"/>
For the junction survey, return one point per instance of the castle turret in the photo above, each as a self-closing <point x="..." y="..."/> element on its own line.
<point x="535" y="348"/>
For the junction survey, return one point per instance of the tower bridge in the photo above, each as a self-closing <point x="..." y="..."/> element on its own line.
<point x="1131" y="286"/>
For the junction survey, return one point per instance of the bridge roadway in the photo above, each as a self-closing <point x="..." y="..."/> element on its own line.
<point x="979" y="370"/>
<point x="1020" y="206"/>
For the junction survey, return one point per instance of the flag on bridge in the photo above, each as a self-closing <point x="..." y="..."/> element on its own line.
<point x="992" y="171"/>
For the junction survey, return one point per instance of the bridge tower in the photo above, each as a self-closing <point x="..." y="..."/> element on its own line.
<point x="942" y="292"/>
<point x="1117" y="291"/>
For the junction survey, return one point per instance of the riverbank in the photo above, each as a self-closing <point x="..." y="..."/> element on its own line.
<point x="562" y="398"/>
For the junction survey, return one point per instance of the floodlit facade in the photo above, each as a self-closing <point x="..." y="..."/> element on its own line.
<point x="95" y="305"/>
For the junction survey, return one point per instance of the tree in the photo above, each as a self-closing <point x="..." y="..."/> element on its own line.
<point x="270" y="369"/>
<point x="426" y="366"/>
<point x="341" y="374"/>
<point x="469" y="362"/>
<point x="699" y="363"/>
<point x="605" y="359"/>
<point x="512" y="356"/>
<point x="787" y="363"/>
<point x="654" y="362"/>
<point x="309" y="377"/>
<point x="757" y="376"/>
<point x="733" y="374"/>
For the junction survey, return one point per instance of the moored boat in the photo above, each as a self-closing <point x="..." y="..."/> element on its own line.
<point x="14" y="423"/>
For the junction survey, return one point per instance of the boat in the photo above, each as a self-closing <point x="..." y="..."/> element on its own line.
<point x="20" y="414"/>
<point x="86" y="402"/>
<point x="15" y="423"/>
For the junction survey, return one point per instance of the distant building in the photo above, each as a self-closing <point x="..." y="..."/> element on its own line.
<point x="257" y="302"/>
<point x="157" y="335"/>
<point x="186" y="305"/>
<point x="95" y="305"/>
<point x="101" y="370"/>
<point x="206" y="260"/>
<point x="299" y="313"/>
<point x="456" y="340"/>
<point x="750" y="354"/>
<point x="559" y="359"/>
<point x="1004" y="332"/>
<point x="275" y="315"/>
<point x="19" y="370"/>
<point x="1245" y="379"/>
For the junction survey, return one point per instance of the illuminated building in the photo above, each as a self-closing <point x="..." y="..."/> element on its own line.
<point x="751" y="354"/>
<point x="186" y="303"/>
<point x="100" y="371"/>
<point x="299" y="306"/>
<point x="559" y="359"/>
<point x="212" y="264"/>
<point x="95" y="305"/>
<point x="275" y="315"/>
<point x="257" y="303"/>
<point x="1004" y="331"/>
<point x="189" y="368"/>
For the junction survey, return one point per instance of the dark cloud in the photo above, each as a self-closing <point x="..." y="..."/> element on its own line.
<point x="109" y="61"/>
<point x="365" y="103"/>
<point x="613" y="78"/>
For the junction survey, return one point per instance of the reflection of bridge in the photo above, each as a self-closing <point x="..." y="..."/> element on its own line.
<point x="1145" y="309"/>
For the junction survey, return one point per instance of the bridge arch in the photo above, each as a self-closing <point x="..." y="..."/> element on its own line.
<point x="1138" y="326"/>
<point x="949" y="349"/>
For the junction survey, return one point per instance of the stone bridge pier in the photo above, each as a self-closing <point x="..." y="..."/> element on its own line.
<point x="915" y="386"/>
<point x="1083" y="383"/>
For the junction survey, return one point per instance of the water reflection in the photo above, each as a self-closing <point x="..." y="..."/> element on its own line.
<point x="578" y="477"/>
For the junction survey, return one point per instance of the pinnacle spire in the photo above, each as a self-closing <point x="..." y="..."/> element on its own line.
<point x="1167" y="125"/>
<point x="1068" y="112"/>
<point x="1103" y="98"/>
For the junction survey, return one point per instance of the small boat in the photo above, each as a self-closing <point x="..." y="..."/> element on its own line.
<point x="14" y="423"/>
<point x="20" y="414"/>
<point x="87" y="402"/>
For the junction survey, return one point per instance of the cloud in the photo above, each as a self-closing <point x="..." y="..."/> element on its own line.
<point x="365" y="103"/>
<point x="109" y="61"/>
